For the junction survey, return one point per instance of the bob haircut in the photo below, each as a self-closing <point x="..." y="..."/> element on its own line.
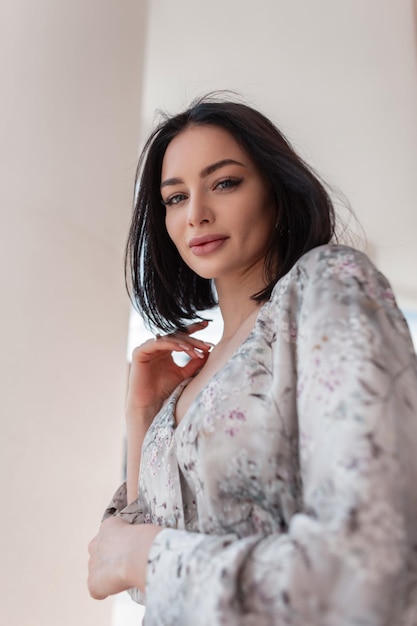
<point x="163" y="288"/>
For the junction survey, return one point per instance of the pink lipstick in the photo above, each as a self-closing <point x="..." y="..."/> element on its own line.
<point x="206" y="244"/>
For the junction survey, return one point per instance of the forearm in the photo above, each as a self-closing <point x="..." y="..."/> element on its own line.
<point x="153" y="377"/>
<point x="137" y="424"/>
<point x="295" y="579"/>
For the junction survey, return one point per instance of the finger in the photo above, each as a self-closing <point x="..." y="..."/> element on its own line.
<point x="195" y="326"/>
<point x="93" y="588"/>
<point x="174" y="342"/>
<point x="180" y="342"/>
<point x="91" y="545"/>
<point x="193" y="366"/>
<point x="188" y="330"/>
<point x="196" y="343"/>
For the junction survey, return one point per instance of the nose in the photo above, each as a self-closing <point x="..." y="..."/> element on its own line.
<point x="199" y="211"/>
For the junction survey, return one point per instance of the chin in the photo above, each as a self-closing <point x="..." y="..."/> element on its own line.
<point x="202" y="272"/>
<point x="206" y="275"/>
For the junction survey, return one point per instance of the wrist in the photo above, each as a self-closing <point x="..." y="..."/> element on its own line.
<point x="136" y="567"/>
<point x="141" y="415"/>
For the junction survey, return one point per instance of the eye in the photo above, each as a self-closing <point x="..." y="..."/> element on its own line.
<point x="228" y="183"/>
<point x="176" y="198"/>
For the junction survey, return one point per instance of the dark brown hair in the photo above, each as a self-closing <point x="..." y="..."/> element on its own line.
<point x="164" y="289"/>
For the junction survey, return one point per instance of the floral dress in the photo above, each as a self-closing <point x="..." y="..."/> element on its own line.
<point x="288" y="491"/>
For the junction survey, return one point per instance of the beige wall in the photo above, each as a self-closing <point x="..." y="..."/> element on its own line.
<point x="71" y="78"/>
<point x="339" y="77"/>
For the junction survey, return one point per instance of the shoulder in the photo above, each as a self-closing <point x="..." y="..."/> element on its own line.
<point x="337" y="279"/>
<point x="334" y="267"/>
<point x="338" y="262"/>
<point x="337" y="290"/>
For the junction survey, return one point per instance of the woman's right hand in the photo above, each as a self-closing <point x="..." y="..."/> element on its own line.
<point x="153" y="377"/>
<point x="154" y="374"/>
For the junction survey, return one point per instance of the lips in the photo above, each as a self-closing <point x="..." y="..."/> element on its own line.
<point x="206" y="244"/>
<point x="199" y="241"/>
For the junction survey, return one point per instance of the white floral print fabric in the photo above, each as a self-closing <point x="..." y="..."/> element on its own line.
<point x="288" y="492"/>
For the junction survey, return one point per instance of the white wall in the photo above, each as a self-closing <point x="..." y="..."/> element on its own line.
<point x="70" y="101"/>
<point x="338" y="76"/>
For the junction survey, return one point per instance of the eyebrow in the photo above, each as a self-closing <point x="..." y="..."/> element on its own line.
<point x="204" y="172"/>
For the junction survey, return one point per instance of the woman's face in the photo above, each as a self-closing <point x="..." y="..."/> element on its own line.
<point x="218" y="210"/>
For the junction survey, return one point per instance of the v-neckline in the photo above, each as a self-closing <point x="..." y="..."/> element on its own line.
<point x="180" y="388"/>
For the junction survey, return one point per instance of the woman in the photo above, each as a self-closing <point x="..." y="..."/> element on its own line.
<point x="277" y="470"/>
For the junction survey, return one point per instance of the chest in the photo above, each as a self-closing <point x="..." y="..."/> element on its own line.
<point x="236" y="448"/>
<point x="238" y="442"/>
<point x="218" y="358"/>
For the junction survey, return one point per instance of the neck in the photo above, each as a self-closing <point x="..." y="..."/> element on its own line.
<point x="236" y="303"/>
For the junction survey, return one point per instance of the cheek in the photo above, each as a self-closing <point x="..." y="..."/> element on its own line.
<point x="262" y="228"/>
<point x="261" y="221"/>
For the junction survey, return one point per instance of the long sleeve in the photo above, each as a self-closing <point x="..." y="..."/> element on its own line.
<point x="348" y="556"/>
